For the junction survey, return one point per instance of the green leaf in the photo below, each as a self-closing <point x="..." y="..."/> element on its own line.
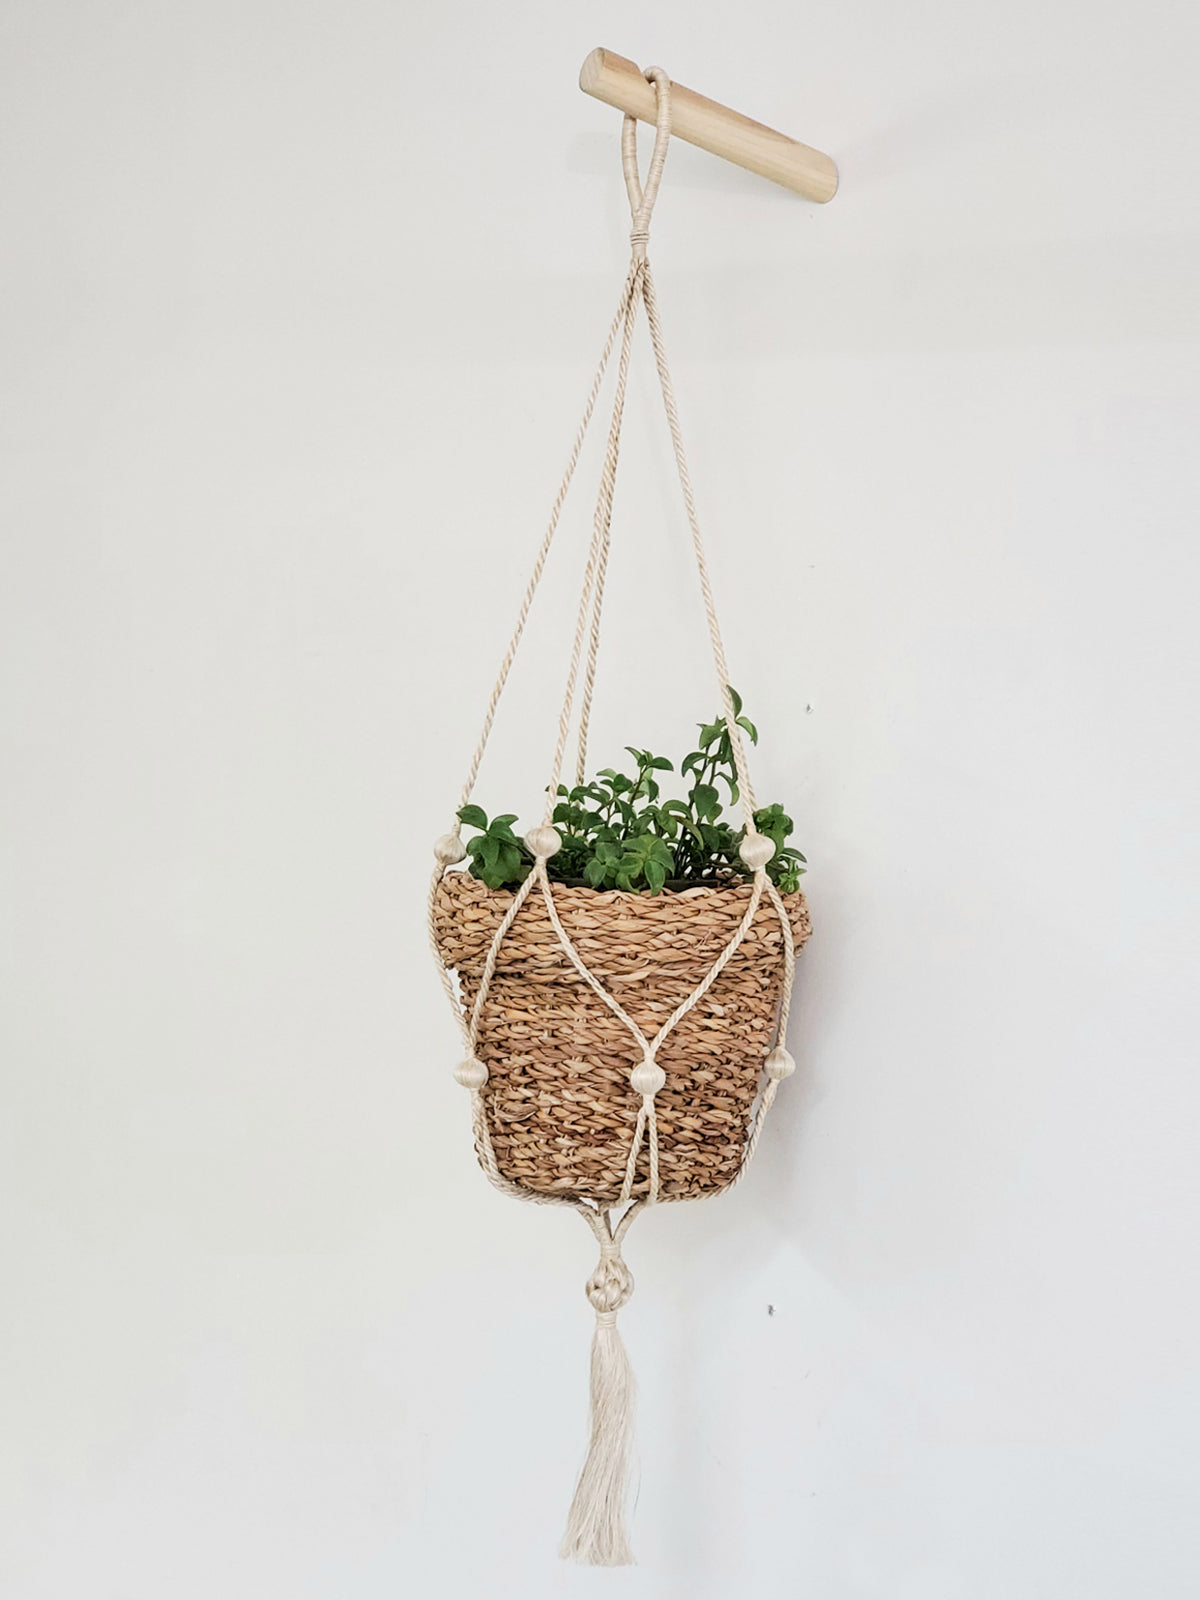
<point x="473" y="816"/>
<point x="706" y="802"/>
<point x="510" y="863"/>
<point x="774" y="822"/>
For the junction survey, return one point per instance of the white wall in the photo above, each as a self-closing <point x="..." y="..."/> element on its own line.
<point x="300" y="305"/>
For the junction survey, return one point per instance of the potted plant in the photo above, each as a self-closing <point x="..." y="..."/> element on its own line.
<point x="650" y="890"/>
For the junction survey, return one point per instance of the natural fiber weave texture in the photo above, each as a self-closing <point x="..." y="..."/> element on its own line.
<point x="560" y="1108"/>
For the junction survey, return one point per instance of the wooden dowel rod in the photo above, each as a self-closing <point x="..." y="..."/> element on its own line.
<point x="609" y="77"/>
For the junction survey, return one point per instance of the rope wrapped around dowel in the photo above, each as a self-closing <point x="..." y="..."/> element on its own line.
<point x="596" y="1532"/>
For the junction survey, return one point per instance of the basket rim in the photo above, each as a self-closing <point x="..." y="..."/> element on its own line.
<point x="636" y="896"/>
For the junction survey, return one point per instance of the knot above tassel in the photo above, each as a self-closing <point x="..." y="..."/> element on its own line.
<point x="611" y="1285"/>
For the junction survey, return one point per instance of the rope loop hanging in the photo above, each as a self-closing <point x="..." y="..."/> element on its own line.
<point x="641" y="201"/>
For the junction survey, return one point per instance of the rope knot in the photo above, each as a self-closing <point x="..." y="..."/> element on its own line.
<point x="611" y="1284"/>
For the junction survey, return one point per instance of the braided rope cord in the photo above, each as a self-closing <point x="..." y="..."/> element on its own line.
<point x="638" y="290"/>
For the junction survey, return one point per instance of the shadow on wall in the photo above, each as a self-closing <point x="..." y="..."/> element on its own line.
<point x="697" y="1261"/>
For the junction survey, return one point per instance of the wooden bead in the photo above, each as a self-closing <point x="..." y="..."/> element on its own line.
<point x="780" y="1064"/>
<point x="543" y="842"/>
<point x="756" y="850"/>
<point x="471" y="1073"/>
<point x="647" y="1078"/>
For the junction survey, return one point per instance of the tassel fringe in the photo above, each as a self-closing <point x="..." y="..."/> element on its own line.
<point x="596" y="1533"/>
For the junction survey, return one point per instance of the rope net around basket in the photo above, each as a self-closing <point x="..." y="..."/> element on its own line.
<point x="619" y="1050"/>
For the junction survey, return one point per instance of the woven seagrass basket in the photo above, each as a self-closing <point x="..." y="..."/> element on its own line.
<point x="559" y="1104"/>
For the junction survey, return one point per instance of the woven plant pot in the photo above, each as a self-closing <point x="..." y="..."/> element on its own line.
<point x="559" y="1104"/>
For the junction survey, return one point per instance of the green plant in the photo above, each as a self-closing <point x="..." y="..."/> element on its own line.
<point x="619" y="833"/>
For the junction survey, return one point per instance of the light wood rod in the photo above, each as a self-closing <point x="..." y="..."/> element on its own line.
<point x="714" y="127"/>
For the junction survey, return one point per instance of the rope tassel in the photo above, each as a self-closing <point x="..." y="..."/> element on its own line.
<point x="596" y="1534"/>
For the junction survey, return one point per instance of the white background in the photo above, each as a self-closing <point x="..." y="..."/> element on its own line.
<point x="300" y="305"/>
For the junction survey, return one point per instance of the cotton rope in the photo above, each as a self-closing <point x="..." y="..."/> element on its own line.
<point x="596" y="1522"/>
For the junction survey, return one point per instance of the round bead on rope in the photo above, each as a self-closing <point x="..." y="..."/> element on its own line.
<point x="543" y="843"/>
<point x="471" y="1073"/>
<point x="780" y="1064"/>
<point x="448" y="851"/>
<point x="647" y="1078"/>
<point x="756" y="850"/>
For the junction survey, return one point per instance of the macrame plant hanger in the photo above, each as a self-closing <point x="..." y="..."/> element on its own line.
<point x="596" y="1532"/>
